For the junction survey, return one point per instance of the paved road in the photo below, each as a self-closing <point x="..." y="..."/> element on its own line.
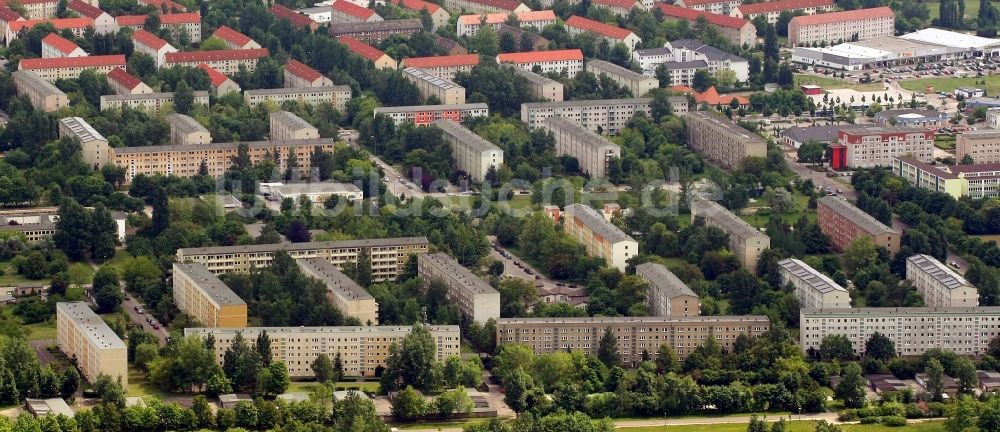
<point x="43" y="354"/>
<point x="512" y="270"/>
<point x="129" y="304"/>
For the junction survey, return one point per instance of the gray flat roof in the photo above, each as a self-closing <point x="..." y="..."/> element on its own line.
<point x="533" y="77"/>
<point x="710" y="52"/>
<point x="583" y="135"/>
<point x="464" y="135"/>
<point x="270" y="248"/>
<point x="940" y="272"/>
<point x="422" y="75"/>
<point x="727" y="125"/>
<point x="149" y="96"/>
<point x="314" y="187"/>
<point x="209" y="284"/>
<point x="981" y="134"/>
<point x="360" y="330"/>
<point x="637" y="320"/>
<point x="458" y="273"/>
<point x="587" y="103"/>
<point x="903" y="312"/>
<point x="420" y="108"/>
<point x="37" y="83"/>
<point x="856" y="215"/>
<point x="926" y="113"/>
<point x="185" y="123"/>
<point x="83" y="130"/>
<point x="52" y="406"/>
<point x="597" y="223"/>
<point x="729" y="222"/>
<point x="613" y="69"/>
<point x="291" y="120"/>
<point x="298" y="90"/>
<point x="690" y="64"/>
<point x="821" y="134"/>
<point x="819" y="282"/>
<point x="224" y="146"/>
<point x="96" y="330"/>
<point x="335" y="281"/>
<point x="653" y="51"/>
<point x="376" y="26"/>
<point x="664" y="279"/>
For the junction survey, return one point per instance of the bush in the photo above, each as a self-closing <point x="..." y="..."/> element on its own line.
<point x="867" y="412"/>
<point x="871" y="420"/>
<point x="894" y="421"/>
<point x="936" y="409"/>
<point x="848" y="415"/>
<point x="894" y="409"/>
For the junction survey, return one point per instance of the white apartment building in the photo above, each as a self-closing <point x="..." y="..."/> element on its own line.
<point x="51" y="69"/>
<point x="444" y="67"/>
<point x="601" y="238"/>
<point x="84" y="337"/>
<point x="151" y="45"/>
<point x="54" y="46"/>
<point x="345" y="294"/>
<point x="837" y="27"/>
<point x="601" y="116"/>
<point x="876" y="147"/>
<point x="286" y="125"/>
<point x="721" y="7"/>
<point x="940" y="285"/>
<point x="300" y="75"/>
<point x="472" y="153"/>
<point x="235" y="39"/>
<point x="124" y="83"/>
<point x="684" y="57"/>
<point x="983" y="146"/>
<point x="668" y="296"/>
<point x="812" y="288"/>
<point x="423" y="115"/>
<point x="474" y="297"/>
<point x="469" y="25"/>
<point x="744" y="240"/>
<point x="541" y="87"/>
<point x="103" y="22"/>
<point x="637" y="83"/>
<point x="225" y="61"/>
<point x="153" y="102"/>
<point x="185" y="130"/>
<point x="337" y="95"/>
<point x="773" y="9"/>
<point x="569" y="62"/>
<point x="592" y="151"/>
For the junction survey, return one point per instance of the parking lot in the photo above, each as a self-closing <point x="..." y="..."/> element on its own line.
<point x="943" y="69"/>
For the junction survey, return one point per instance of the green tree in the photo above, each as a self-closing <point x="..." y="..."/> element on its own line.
<point x="965" y="374"/>
<point x="107" y="290"/>
<point x="989" y="415"/>
<point x="860" y="254"/>
<point x="144" y="355"/>
<point x="811" y="152"/>
<point x="102" y="234"/>
<point x="607" y="350"/>
<point x="273" y="380"/>
<point x="70" y="383"/>
<point x="72" y="229"/>
<point x="756" y="424"/>
<point x="408" y="404"/>
<point x="935" y="380"/>
<point x="701" y="80"/>
<point x="411" y="363"/>
<point x="183" y="98"/>
<point x="454" y="401"/>
<point x="323" y="368"/>
<point x="666" y="359"/>
<point x="836" y="347"/>
<point x="852" y="387"/>
<point x="963" y="417"/>
<point x="880" y="347"/>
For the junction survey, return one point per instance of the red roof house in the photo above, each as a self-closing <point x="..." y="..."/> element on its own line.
<point x="295" y="18"/>
<point x="54" y="45"/>
<point x="235" y="39"/>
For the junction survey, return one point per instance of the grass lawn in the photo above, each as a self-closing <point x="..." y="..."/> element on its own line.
<point x="801" y="207"/>
<point x="971" y="9"/>
<point x="992" y="86"/>
<point x="827" y="82"/>
<point x="138" y="386"/>
<point x="944" y="142"/>
<point x="795" y="426"/>
<point x="439" y="425"/>
<point x="119" y="259"/>
<point x="308" y="386"/>
<point x="10" y="277"/>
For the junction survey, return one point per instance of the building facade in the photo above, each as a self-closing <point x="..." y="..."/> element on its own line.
<point x="152" y="102"/>
<point x="836" y="27"/>
<point x="940" y="285"/>
<point x="472" y="153"/>
<point x="600" y="238"/>
<point x="486" y="6"/>
<point x="469" y="25"/>
<point x="569" y="62"/>
<point x="375" y="55"/>
<point x="235" y="39"/>
<point x="930" y="177"/>
<point x="541" y="87"/>
<point x="124" y="83"/>
<point x="337" y="95"/>
<point x="668" y="296"/>
<point x="745" y="241"/>
<point x="202" y="296"/>
<point x="51" y="69"/>
<point x="772" y="10"/>
<point x="300" y="75"/>
<point x="54" y="46"/>
<point x="474" y="297"/>
<point x="592" y="151"/>
<point x="983" y="146"/>
<point x="812" y="288"/>
<point x="345" y="294"/>
<point x="844" y="223"/>
<point x="423" y="115"/>
<point x="286" y="125"/>
<point x="225" y="61"/>
<point x="445" y="90"/>
<point x="638" y="83"/>
<point x="576" y="25"/>
<point x="43" y="94"/>
<point x="221" y="84"/>
<point x="93" y="145"/>
<point x="151" y="45"/>
<point x="875" y="147"/>
<point x="84" y="337"/>
<point x="442" y="66"/>
<point x="601" y="116"/>
<point x="719" y="139"/>
<point x="185" y="130"/>
<point x="738" y="31"/>
<point x="376" y="32"/>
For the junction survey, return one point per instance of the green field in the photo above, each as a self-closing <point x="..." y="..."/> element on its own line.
<point x="308" y="386"/>
<point x="971" y="9"/>
<point x="797" y="426"/>
<point x="945" y="142"/>
<point x="836" y="83"/>
<point x="992" y="86"/>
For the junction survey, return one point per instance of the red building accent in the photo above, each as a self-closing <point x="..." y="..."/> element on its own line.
<point x="838" y="156"/>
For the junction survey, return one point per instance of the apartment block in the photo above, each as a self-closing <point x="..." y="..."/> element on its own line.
<point x="568" y="62"/>
<point x="345" y="294"/>
<point x="376" y="32"/>
<point x="541" y="87"/>
<point x="744" y="240"/>
<point x="723" y="7"/>
<point x="601" y="238"/>
<point x="601" y="116"/>
<point x="286" y="125"/>
<point x="388" y="255"/>
<point x="445" y="90"/>
<point x="983" y="146"/>
<point x="684" y="57"/>
<point x="164" y="5"/>
<point x="176" y="23"/>
<point x="635" y="335"/>
<point x="812" y="288"/>
<point x="439" y="16"/>
<point x="469" y="25"/>
<point x="201" y="295"/>
<point x="375" y="55"/>
<point x="43" y="94"/>
<point x="294" y="18"/>
<point x="151" y="45"/>
<point x="39" y="9"/>
<point x="337" y="95"/>
<point x="185" y="130"/>
<point x="844" y="223"/>
<point x="592" y="151"/>
<point x="837" y="27"/>
<point x="940" y="285"/>
<point x="77" y="26"/>
<point x="225" y="61"/>
<point x="875" y="147"/>
<point x="7" y="16"/>
<point x="185" y="160"/>
<point x="124" y="83"/>
<point x="668" y="296"/>
<point x="576" y="25"/>
<point x="362" y="350"/>
<point x="474" y="297"/>
<point x="51" y="69"/>
<point x="442" y="66"/>
<point x="235" y="39"/>
<point x="965" y="331"/>
<point x="152" y="102"/>
<point x="637" y="83"/>
<point x="93" y="145"/>
<point x="221" y="84"/>
<point x="486" y="6"/>
<point x="772" y="10"/>
<point x="930" y="177"/>
<point x="300" y="75"/>
<point x="720" y="140"/>
<point x="472" y="153"/>
<point x="84" y="337"/>
<point x="54" y="46"/>
<point x="738" y="31"/>
<point x="347" y="12"/>
<point x="423" y="115"/>
<point x="623" y="7"/>
<point x="103" y="23"/>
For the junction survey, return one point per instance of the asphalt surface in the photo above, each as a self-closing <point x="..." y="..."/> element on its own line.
<point x="129" y="304"/>
<point x="512" y="270"/>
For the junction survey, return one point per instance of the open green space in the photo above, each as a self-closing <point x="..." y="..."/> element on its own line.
<point x="439" y="425"/>
<point x="309" y="386"/>
<point x="836" y="83"/>
<point x="760" y="220"/>
<point x="971" y="8"/>
<point x="992" y="86"/>
<point x="944" y="142"/>
<point x="795" y="426"/>
<point x="138" y="386"/>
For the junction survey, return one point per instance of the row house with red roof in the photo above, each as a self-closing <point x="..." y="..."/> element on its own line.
<point x="737" y="31"/>
<point x="343" y="11"/>
<point x="622" y="7"/>
<point x="124" y="83"/>
<point x="294" y="18"/>
<point x="439" y="16"/>
<point x="377" y="31"/>
<point x="103" y="23"/>
<point x="576" y="25"/>
<point x="300" y="75"/>
<point x="51" y="69"/>
<point x="77" y="26"/>
<point x="54" y="46"/>
<point x="225" y="61"/>
<point x="177" y="23"/>
<point x="151" y="45"/>
<point x="568" y="61"/>
<point x="7" y="16"/>
<point x="486" y="6"/>
<point x="38" y="9"/>
<point x="837" y="27"/>
<point x="722" y="7"/>
<point x="772" y="10"/>
<point x="165" y="6"/>
<point x="375" y="55"/>
<point x="221" y="84"/>
<point x="469" y="25"/>
<point x="442" y="66"/>
<point x="235" y="39"/>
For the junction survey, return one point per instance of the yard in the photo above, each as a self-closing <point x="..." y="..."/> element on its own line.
<point x="309" y="386"/>
<point x="836" y="83"/>
<point x="992" y="86"/>
<point x="795" y="426"/>
<point x="944" y="142"/>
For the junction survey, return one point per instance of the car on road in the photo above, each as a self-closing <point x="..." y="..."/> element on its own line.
<point x="156" y="326"/>
<point x="138" y="310"/>
<point x="954" y="264"/>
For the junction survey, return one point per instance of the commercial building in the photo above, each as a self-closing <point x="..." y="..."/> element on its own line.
<point x="446" y="91"/>
<point x="738" y="31"/>
<point x="221" y="84"/>
<point x="202" y="296"/>
<point x="185" y="160"/>
<point x="601" y="115"/>
<point x="541" y="87"/>
<point x="983" y="146"/>
<point x="235" y="39"/>
<point x="388" y="255"/>
<point x="39" y="223"/>
<point x="592" y="151"/>
<point x="745" y="241"/>
<point x="442" y="66"/>
<point x="375" y="55"/>
<point x="54" y="46"/>
<point x="926" y="45"/>
<point x="84" y="337"/>
<point x="176" y="23"/>
<point x="93" y="145"/>
<point x="601" y="238"/>
<point x="475" y="298"/>
<point x="844" y="223"/>
<point x="576" y="25"/>
<point x="965" y="331"/>
<point x="103" y="23"/>
<point x="51" y="69"/>
<point x="637" y="83"/>
<point x="345" y="294"/>
<point x="151" y="45"/>
<point x="569" y="62"/>
<point x="635" y="335"/>
<point x="124" y="83"/>
<point x="185" y="130"/>
<point x="77" y="26"/>
<point x="43" y="94"/>
<point x="875" y="147"/>
<point x="486" y="6"/>
<point x="439" y="16"/>
<point x="423" y="115"/>
<point x="772" y="10"/>
<point x="376" y="32"/>
<point x="337" y="95"/>
<point x="839" y="27"/>
<point x="294" y="18"/>
<point x="469" y="25"/>
<point x="317" y="192"/>
<point x="362" y="350"/>
<point x="812" y="288"/>
<point x="719" y="139"/>
<point x="472" y="153"/>
<point x="911" y="118"/>
<point x="225" y="61"/>
<point x="940" y="285"/>
<point x="668" y="296"/>
<point x="286" y="125"/>
<point x="153" y="102"/>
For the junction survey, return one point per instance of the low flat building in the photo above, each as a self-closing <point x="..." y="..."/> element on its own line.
<point x="54" y="46"/>
<point x="592" y="151"/>
<point x="445" y="90"/>
<point x="47" y="407"/>
<point x="875" y="147"/>
<point x="601" y="115"/>
<point x="475" y="298"/>
<point x="442" y="66"/>
<point x="225" y="61"/>
<point x="576" y="25"/>
<point x="221" y="84"/>
<point x="317" y="192"/>
<point x="185" y="130"/>
<point x="940" y="285"/>
<point x="286" y="125"/>
<point x="812" y="288"/>
<point x="90" y="343"/>
<point x="39" y="223"/>
<point x="844" y="223"/>
<point x="668" y="296"/>
<point x="471" y="152"/>
<point x="343" y="292"/>
<point x="337" y="95"/>
<point x="720" y="140"/>
<point x="52" y="69"/>
<point x="772" y="10"/>
<point x="362" y="350"/>
<point x="423" y="115"/>
<point x="912" y="118"/>
<point x="738" y="31"/>
<point x="93" y="145"/>
<point x="376" y="32"/>
<point x="202" y="296"/>
<point x="375" y="55"/>
<point x="300" y="75"/>
<point x="745" y="241"/>
<point x="635" y="335"/>
<point x="637" y="83"/>
<point x="568" y="62"/>
<point x="541" y="87"/>
<point x="600" y="238"/>
<point x="152" y="102"/>
<point x="983" y="146"/>
<point x="124" y="83"/>
<point x="44" y="96"/>
<point x="796" y="136"/>
<point x="151" y="45"/>
<point x="388" y="255"/>
<point x="838" y="27"/>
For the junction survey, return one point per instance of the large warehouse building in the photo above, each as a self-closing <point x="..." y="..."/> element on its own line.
<point x="929" y="44"/>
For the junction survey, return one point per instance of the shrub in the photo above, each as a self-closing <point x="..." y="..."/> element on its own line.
<point x="848" y="415"/>
<point x="894" y="421"/>
<point x="871" y="420"/>
<point x="892" y="409"/>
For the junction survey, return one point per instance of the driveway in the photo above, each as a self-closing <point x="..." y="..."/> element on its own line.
<point x="44" y="356"/>
<point x="548" y="286"/>
<point x="129" y="304"/>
